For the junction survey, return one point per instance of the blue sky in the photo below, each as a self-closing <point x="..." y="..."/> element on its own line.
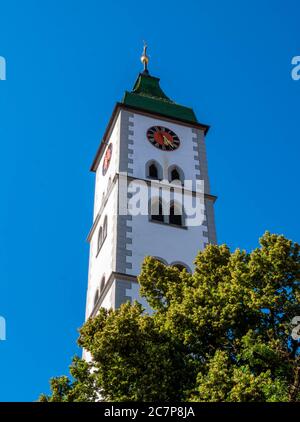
<point x="68" y="62"/>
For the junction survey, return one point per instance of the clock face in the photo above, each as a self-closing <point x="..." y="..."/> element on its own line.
<point x="163" y="138"/>
<point x="107" y="158"/>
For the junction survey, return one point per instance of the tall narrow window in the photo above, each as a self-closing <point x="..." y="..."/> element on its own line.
<point x="108" y="185"/>
<point x="102" y="284"/>
<point x="157" y="212"/>
<point x="96" y="297"/>
<point x="104" y="228"/>
<point x="175" y="175"/>
<point x="100" y="238"/>
<point x="153" y="172"/>
<point x="175" y="216"/>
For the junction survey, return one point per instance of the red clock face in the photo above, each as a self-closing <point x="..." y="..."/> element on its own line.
<point x="163" y="138"/>
<point x="107" y="158"/>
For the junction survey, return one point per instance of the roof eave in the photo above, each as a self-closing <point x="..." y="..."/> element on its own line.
<point x="119" y="106"/>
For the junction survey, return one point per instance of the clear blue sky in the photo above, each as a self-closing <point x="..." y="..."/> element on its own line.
<point x="68" y="62"/>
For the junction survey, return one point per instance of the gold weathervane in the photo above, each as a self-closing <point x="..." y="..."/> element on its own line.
<point x="145" y="58"/>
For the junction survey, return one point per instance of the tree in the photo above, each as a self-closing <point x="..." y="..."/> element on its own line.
<point x="222" y="333"/>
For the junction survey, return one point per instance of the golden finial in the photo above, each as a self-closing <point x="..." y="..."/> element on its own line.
<point x="145" y="58"/>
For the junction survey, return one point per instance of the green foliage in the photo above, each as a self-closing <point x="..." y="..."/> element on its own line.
<point x="82" y="388"/>
<point x="219" y="334"/>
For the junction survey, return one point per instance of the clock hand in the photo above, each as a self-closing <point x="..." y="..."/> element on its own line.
<point x="166" y="141"/>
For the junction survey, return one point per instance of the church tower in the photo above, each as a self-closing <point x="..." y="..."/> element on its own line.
<point x="149" y="140"/>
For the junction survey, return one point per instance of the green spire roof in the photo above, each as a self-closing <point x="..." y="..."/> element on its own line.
<point x="148" y="95"/>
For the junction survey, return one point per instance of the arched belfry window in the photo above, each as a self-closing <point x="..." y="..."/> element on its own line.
<point x="168" y="214"/>
<point x="176" y="216"/>
<point x="163" y="261"/>
<point x="181" y="266"/>
<point x="154" y="170"/>
<point x="175" y="174"/>
<point x="157" y="210"/>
